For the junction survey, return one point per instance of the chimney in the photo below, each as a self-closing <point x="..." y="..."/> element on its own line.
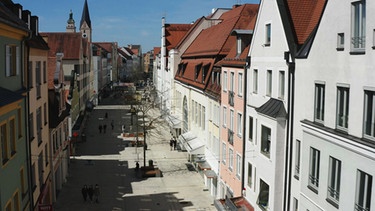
<point x="26" y="17"/>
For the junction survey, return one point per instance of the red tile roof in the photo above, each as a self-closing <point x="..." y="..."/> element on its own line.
<point x="64" y="42"/>
<point x="305" y="16"/>
<point x="214" y="43"/>
<point x="174" y="33"/>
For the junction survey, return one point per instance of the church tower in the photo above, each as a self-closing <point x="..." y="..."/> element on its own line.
<point x="85" y="25"/>
<point x="71" y="27"/>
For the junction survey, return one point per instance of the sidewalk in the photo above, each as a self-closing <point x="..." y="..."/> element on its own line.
<point x="105" y="160"/>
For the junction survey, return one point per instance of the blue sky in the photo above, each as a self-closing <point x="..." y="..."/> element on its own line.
<point x="123" y="21"/>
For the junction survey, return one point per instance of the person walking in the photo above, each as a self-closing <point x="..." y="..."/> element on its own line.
<point x="174" y="143"/>
<point x="104" y="128"/>
<point x="171" y="144"/>
<point x="90" y="192"/>
<point x="96" y="193"/>
<point x="112" y="124"/>
<point x="84" y="192"/>
<point x="106" y="115"/>
<point x="100" y="128"/>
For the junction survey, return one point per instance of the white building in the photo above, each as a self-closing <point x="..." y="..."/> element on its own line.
<point x="335" y="112"/>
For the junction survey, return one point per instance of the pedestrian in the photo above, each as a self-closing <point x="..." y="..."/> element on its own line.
<point x="106" y="115"/>
<point x="112" y="124"/>
<point x="90" y="191"/>
<point x="174" y="144"/>
<point x="136" y="166"/>
<point x="84" y="192"/>
<point x="96" y="193"/>
<point x="171" y="143"/>
<point x="104" y="128"/>
<point x="100" y="128"/>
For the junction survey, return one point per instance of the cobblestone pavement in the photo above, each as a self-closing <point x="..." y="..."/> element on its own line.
<point x="106" y="160"/>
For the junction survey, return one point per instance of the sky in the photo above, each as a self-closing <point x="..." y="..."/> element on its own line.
<point x="125" y="22"/>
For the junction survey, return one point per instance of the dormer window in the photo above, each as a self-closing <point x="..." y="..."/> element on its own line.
<point x="239" y="45"/>
<point x="197" y="71"/>
<point x="205" y="71"/>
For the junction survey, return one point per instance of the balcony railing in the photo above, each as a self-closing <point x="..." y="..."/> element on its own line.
<point x="231" y="98"/>
<point x="230" y="136"/>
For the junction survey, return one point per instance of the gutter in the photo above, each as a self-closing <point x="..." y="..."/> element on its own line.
<point x="248" y="62"/>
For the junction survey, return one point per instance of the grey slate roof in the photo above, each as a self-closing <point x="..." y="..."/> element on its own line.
<point x="7" y="97"/>
<point x="273" y="108"/>
<point x="9" y="18"/>
<point x="86" y="15"/>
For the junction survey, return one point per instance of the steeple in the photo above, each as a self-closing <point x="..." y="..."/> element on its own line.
<point x="71" y="27"/>
<point x="85" y="25"/>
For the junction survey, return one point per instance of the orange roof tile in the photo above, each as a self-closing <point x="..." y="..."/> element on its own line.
<point x="64" y="42"/>
<point x="174" y="33"/>
<point x="305" y="16"/>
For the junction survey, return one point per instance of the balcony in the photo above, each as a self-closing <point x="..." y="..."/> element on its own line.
<point x="231" y="98"/>
<point x="230" y="136"/>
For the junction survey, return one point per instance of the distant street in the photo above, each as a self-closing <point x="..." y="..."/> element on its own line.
<point x="104" y="159"/>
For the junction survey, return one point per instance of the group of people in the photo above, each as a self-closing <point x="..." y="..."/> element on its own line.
<point x="92" y="192"/>
<point x="104" y="126"/>
<point x="173" y="144"/>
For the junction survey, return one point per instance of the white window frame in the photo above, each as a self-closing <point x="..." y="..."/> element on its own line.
<point x="342" y="108"/>
<point x="12" y="65"/>
<point x="232" y="78"/>
<point x="224" y="153"/>
<point x="297" y="164"/>
<point x="239" y="124"/>
<point x="340" y="41"/>
<point x="225" y="81"/>
<point x="238" y="165"/>
<point x="266" y="141"/>
<point x="255" y="81"/>
<point x="240" y="85"/>
<point x="334" y="180"/>
<point x="314" y="169"/>
<point x="230" y="157"/>
<point x="319" y="102"/>
<point x="269" y="83"/>
<point x="369" y="115"/>
<point x="358" y="39"/>
<point x="363" y="187"/>
<point x="268" y="34"/>
<point x="249" y="175"/>
<point x="224" y="116"/>
<point x="281" y="84"/>
<point x="251" y="129"/>
<point x="231" y="119"/>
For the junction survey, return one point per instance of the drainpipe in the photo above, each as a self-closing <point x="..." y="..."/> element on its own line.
<point x="289" y="135"/>
<point x="248" y="59"/>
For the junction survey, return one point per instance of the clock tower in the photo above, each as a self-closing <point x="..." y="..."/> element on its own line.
<point x="71" y="27"/>
<point x="85" y="25"/>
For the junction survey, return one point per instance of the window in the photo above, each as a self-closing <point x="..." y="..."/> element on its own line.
<point x="369" y="115"/>
<point x="238" y="166"/>
<point x="251" y="129"/>
<point x="363" y="191"/>
<point x="281" y="84"/>
<point x="224" y="154"/>
<point x="231" y="119"/>
<point x="314" y="169"/>
<point x="239" y="45"/>
<point x="12" y="60"/>
<point x="16" y="202"/>
<point x="45" y="113"/>
<point x="224" y="117"/>
<point x="340" y="41"/>
<point x="46" y="154"/>
<point x="31" y="126"/>
<point x="268" y="35"/>
<point x="266" y="141"/>
<point x="12" y="136"/>
<point x="263" y="195"/>
<point x="230" y="159"/>
<point x="319" y="102"/>
<point x="38" y="79"/>
<point x="239" y="124"/>
<point x="225" y="81"/>
<point x="203" y="118"/>
<point x="232" y="81"/>
<point x="23" y="181"/>
<point x="295" y="204"/>
<point x="249" y="174"/>
<point x="358" y="25"/>
<point x="342" y="113"/>
<point x="4" y="143"/>
<point x="30" y="74"/>
<point x="33" y="177"/>
<point x="255" y="81"/>
<point x="297" y="161"/>
<point x="19" y="122"/>
<point x="240" y="84"/>
<point x="39" y="125"/>
<point x="334" y="178"/>
<point x="269" y="82"/>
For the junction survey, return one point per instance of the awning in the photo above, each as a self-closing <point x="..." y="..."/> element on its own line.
<point x="210" y="173"/>
<point x="195" y="146"/>
<point x="184" y="138"/>
<point x="174" y="121"/>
